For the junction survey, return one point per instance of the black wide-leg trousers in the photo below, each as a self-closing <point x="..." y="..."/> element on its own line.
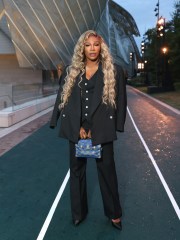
<point x="107" y="180"/>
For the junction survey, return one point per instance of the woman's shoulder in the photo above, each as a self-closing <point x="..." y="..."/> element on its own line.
<point x="64" y="74"/>
<point x="118" y="68"/>
<point x="66" y="69"/>
<point x="120" y="75"/>
<point x="119" y="72"/>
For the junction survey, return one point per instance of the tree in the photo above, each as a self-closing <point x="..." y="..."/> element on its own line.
<point x="150" y="53"/>
<point x="154" y="44"/>
<point x="173" y="38"/>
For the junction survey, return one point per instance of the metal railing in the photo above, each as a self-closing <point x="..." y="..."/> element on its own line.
<point x="15" y="97"/>
<point x="6" y="101"/>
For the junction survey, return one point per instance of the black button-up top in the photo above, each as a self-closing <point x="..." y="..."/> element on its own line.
<point x="87" y="90"/>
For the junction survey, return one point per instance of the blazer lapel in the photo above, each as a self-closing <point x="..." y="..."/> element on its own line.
<point x="77" y="94"/>
<point x="75" y="99"/>
<point x="98" y="90"/>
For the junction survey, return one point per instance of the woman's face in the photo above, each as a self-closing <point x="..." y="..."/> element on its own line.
<point x="92" y="48"/>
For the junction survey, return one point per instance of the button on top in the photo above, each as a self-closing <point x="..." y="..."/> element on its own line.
<point x="86" y="91"/>
<point x="85" y="83"/>
<point x="111" y="117"/>
<point x="85" y="114"/>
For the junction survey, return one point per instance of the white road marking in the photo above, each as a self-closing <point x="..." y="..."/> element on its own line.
<point x="61" y="190"/>
<point x="53" y="208"/>
<point x="171" y="197"/>
<point x="156" y="100"/>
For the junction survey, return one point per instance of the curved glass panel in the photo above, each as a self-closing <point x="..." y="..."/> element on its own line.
<point x="45" y="32"/>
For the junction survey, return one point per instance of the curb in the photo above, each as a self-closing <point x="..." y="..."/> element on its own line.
<point x="6" y="131"/>
<point x="156" y="100"/>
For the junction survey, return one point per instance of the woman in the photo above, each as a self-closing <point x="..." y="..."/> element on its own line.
<point x="92" y="103"/>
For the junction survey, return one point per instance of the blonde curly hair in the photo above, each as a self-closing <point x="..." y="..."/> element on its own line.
<point x="78" y="67"/>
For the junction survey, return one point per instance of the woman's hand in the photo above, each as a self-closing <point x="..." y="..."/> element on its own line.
<point x="82" y="133"/>
<point x="89" y="134"/>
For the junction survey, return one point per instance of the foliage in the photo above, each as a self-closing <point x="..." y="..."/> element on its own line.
<point x="171" y="39"/>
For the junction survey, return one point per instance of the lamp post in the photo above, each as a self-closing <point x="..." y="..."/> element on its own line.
<point x="163" y="77"/>
<point x="144" y="61"/>
<point x="146" y="72"/>
<point x="164" y="51"/>
<point x="131" y="56"/>
<point x="161" y="27"/>
<point x="167" y="83"/>
<point x="157" y="45"/>
<point x="142" y="48"/>
<point x="157" y="10"/>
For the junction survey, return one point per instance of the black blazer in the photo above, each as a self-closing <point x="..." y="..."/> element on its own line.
<point x="105" y="119"/>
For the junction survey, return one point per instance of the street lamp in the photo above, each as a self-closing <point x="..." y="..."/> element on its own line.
<point x="167" y="83"/>
<point x="131" y="56"/>
<point x="164" y="50"/>
<point x="160" y="27"/>
<point x="142" y="47"/>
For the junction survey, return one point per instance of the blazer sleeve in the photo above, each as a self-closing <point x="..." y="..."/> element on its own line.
<point x="56" y="111"/>
<point x="121" y="103"/>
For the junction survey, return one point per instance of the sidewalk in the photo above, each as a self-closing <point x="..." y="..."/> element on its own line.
<point x="11" y="139"/>
<point x="171" y="98"/>
<point x="177" y="111"/>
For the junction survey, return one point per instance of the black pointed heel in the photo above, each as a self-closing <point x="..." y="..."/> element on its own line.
<point x="117" y="225"/>
<point x="76" y="222"/>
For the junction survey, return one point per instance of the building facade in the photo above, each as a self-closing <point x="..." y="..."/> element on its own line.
<point x="37" y="36"/>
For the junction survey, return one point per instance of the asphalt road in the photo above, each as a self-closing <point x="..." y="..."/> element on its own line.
<point x="32" y="173"/>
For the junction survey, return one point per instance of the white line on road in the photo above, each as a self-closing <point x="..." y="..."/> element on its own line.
<point x="53" y="208"/>
<point x="171" y="197"/>
<point x="61" y="190"/>
<point x="156" y="100"/>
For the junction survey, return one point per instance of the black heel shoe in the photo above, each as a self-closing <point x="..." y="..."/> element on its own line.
<point x="117" y="225"/>
<point x="76" y="222"/>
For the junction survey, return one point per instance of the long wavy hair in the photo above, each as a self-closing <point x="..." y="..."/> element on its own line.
<point x="78" y="67"/>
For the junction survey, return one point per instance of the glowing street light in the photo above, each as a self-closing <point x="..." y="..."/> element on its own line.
<point x="160" y="27"/>
<point x="131" y="56"/>
<point x="164" y="50"/>
<point x="142" y="47"/>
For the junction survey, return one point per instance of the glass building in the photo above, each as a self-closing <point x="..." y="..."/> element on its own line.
<point x="43" y="32"/>
<point x="36" y="36"/>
